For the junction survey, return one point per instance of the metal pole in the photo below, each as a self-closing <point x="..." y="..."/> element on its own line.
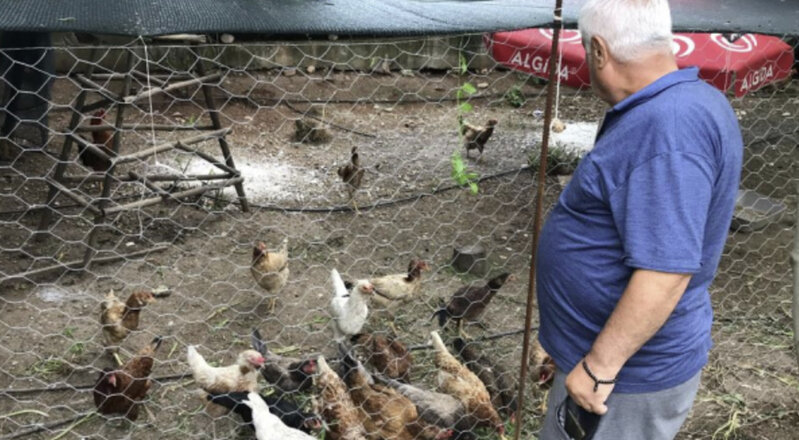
<point x="795" y="258"/>
<point x="539" y="209"/>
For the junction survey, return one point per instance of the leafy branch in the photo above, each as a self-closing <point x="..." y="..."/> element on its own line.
<point x="460" y="172"/>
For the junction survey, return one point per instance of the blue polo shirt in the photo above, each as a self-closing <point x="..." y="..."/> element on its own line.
<point x="656" y="192"/>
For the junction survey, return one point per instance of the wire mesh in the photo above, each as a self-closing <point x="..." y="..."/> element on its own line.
<point x="295" y="111"/>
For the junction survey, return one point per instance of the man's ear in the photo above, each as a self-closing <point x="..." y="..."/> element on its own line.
<point x="599" y="52"/>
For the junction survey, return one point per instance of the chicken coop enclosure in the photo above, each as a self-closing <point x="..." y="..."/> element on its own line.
<point x="159" y="165"/>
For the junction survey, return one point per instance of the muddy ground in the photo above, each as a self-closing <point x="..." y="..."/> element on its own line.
<point x="404" y="128"/>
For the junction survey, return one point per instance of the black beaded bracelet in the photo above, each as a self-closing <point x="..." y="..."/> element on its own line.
<point x="597" y="381"/>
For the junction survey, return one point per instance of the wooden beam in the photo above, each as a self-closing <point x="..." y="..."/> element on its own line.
<point x="178" y="85"/>
<point x="69" y="193"/>
<point x="86" y="82"/>
<point x="208" y="158"/>
<point x="176" y="195"/>
<point x="150" y="177"/>
<point x="143" y="126"/>
<point x="170" y="145"/>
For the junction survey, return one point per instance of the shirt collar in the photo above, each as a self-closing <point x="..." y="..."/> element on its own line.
<point x="664" y="82"/>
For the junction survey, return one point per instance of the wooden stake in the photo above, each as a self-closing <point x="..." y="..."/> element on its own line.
<point x="539" y="207"/>
<point x="170" y="145"/>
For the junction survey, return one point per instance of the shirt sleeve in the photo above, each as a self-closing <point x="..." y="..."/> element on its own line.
<point x="661" y="211"/>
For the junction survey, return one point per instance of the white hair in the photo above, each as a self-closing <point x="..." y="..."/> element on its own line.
<point x="631" y="28"/>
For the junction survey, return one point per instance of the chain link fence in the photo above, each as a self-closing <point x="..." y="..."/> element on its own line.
<point x="158" y="166"/>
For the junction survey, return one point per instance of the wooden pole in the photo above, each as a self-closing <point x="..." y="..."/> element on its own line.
<point x="213" y="112"/>
<point x="105" y="93"/>
<point x="539" y="208"/>
<point x="63" y="159"/>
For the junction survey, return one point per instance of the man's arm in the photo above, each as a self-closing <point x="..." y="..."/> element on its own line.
<point x="646" y="304"/>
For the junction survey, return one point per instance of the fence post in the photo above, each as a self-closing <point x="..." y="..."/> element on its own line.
<point x="795" y="258"/>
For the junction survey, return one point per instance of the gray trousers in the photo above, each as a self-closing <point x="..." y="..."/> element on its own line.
<point x="646" y="416"/>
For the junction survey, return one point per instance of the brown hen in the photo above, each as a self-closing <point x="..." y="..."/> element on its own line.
<point x="352" y="175"/>
<point x="470" y="302"/>
<point x="119" y="319"/>
<point x="389" y="357"/>
<point x="459" y="382"/>
<point x="336" y="406"/>
<point x="475" y="136"/>
<point x="122" y="391"/>
<point x="270" y="269"/>
<point x="102" y="139"/>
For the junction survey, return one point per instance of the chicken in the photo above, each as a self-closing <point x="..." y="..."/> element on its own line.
<point x="119" y="319"/>
<point x="336" y="407"/>
<point x="385" y="413"/>
<point x="288" y="375"/>
<point x="241" y="376"/>
<point x="102" y="139"/>
<point x="269" y="426"/>
<point x="457" y="381"/>
<point x="349" y="308"/>
<point x="287" y="410"/>
<point x="122" y="391"/>
<point x="475" y="136"/>
<point x="387" y="356"/>
<point x="401" y="286"/>
<point x="470" y="302"/>
<point x="437" y="409"/>
<point x="270" y="269"/>
<point x="499" y="382"/>
<point x="542" y="364"/>
<point x="352" y="175"/>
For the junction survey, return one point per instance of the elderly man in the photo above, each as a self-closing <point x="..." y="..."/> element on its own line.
<point x="629" y="251"/>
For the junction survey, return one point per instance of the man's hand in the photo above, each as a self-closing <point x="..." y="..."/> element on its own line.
<point x="647" y="302"/>
<point x="581" y="387"/>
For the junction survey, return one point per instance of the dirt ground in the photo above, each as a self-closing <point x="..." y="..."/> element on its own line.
<point x="405" y="130"/>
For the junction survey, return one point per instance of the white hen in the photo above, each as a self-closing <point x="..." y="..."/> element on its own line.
<point x="267" y="425"/>
<point x="239" y="377"/>
<point x="349" y="308"/>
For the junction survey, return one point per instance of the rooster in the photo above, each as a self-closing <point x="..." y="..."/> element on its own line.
<point x="241" y="376"/>
<point x="388" y="356"/>
<point x="287" y="375"/>
<point x="288" y="411"/>
<point x="499" y="382"/>
<point x="470" y="302"/>
<point x="102" y="139"/>
<point x="270" y="269"/>
<point x="122" y="391"/>
<point x="475" y="136"/>
<point x="457" y="381"/>
<point x="119" y="319"/>
<point x="352" y="175"/>
<point x="349" y="308"/>
<point x="336" y="406"/>
<point x="269" y="426"/>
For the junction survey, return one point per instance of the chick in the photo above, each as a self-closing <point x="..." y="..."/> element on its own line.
<point x="119" y="319"/>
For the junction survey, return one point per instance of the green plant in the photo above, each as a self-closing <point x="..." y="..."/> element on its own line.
<point x="514" y="96"/>
<point x="461" y="175"/>
<point x="460" y="172"/>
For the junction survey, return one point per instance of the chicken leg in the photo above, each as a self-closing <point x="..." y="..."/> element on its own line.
<point x="461" y="332"/>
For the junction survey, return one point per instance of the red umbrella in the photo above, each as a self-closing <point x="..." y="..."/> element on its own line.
<point x="746" y="63"/>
